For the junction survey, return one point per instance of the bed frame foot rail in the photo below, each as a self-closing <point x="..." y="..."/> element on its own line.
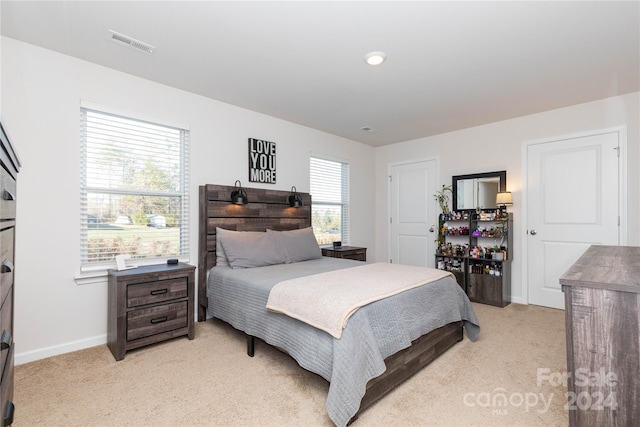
<point x="403" y="364"/>
<point x="250" y="345"/>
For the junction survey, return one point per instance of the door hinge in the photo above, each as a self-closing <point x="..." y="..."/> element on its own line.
<point x="390" y="178"/>
<point x="390" y="220"/>
<point x="617" y="150"/>
<point x="390" y="261"/>
<point x="618" y="220"/>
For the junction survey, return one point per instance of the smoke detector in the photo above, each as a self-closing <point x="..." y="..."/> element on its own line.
<point x="131" y="42"/>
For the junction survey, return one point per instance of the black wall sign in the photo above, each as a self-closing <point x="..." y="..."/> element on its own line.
<point x="262" y="161"/>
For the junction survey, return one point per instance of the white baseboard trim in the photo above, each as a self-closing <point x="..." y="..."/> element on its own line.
<point x="33" y="355"/>
<point x="517" y="300"/>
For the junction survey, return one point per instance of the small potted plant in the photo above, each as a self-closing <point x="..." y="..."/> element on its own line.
<point x="443" y="198"/>
<point x="501" y="231"/>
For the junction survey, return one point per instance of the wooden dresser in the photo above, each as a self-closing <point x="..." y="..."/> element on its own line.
<point x="9" y="172"/>
<point x="602" y="300"/>
<point x="149" y="304"/>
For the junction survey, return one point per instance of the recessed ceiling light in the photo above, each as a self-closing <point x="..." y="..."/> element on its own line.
<point x="375" y="58"/>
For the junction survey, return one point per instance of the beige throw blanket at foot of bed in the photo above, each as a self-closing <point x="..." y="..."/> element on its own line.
<point x="327" y="300"/>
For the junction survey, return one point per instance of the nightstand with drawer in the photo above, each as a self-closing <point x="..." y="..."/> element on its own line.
<point x="346" y="252"/>
<point x="149" y="304"/>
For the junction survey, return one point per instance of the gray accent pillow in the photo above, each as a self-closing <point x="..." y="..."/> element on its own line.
<point x="297" y="245"/>
<point x="221" y="256"/>
<point x="247" y="249"/>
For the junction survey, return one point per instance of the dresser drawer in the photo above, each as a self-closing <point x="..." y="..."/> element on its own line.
<point x="6" y="392"/>
<point x="7" y="195"/>
<point x="6" y="261"/>
<point x="155" y="292"/>
<point x="155" y="320"/>
<point x="358" y="255"/>
<point x="6" y="329"/>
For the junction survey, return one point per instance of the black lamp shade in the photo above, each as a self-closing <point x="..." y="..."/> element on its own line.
<point x="239" y="196"/>
<point x="295" y="201"/>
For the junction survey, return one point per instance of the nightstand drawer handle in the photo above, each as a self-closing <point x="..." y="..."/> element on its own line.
<point x="159" y="320"/>
<point x="159" y="291"/>
<point x="5" y="341"/>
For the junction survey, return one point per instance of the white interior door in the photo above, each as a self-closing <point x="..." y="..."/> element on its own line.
<point x="572" y="203"/>
<point x="413" y="213"/>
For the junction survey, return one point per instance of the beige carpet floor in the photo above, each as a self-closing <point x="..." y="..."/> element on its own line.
<point x="210" y="381"/>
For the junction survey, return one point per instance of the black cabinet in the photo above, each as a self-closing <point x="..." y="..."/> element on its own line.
<point x="478" y="248"/>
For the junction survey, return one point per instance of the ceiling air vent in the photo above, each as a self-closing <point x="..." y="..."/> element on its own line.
<point x="131" y="42"/>
<point x="368" y="129"/>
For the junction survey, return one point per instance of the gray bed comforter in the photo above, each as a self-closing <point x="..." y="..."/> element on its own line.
<point x="374" y="332"/>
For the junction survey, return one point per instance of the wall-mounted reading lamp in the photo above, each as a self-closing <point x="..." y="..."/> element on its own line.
<point x="295" y="201"/>
<point x="239" y="196"/>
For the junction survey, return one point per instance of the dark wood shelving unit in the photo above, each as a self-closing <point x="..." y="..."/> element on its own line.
<point x="485" y="278"/>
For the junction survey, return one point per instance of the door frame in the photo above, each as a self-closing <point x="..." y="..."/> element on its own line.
<point x="390" y="165"/>
<point x="622" y="191"/>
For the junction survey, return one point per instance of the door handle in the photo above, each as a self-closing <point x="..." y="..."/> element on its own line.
<point x="432" y="229"/>
<point x="533" y="232"/>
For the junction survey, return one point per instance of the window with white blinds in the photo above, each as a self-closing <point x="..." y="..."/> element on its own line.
<point x="330" y="200"/>
<point x="134" y="190"/>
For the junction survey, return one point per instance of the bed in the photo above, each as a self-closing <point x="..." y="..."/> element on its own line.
<point x="383" y="343"/>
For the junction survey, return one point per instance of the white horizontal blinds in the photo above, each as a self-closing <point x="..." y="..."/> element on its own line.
<point x="330" y="200"/>
<point x="134" y="189"/>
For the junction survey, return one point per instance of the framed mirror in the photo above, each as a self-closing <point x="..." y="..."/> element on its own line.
<point x="477" y="190"/>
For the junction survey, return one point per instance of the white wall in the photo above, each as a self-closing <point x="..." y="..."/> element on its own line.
<point x="498" y="146"/>
<point x="40" y="97"/>
<point x="41" y="94"/>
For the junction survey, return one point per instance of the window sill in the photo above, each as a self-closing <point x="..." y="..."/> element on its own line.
<point x="98" y="277"/>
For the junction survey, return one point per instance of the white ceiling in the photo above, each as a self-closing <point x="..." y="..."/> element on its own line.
<point x="450" y="65"/>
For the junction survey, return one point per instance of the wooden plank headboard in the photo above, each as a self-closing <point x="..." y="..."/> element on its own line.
<point x="267" y="209"/>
